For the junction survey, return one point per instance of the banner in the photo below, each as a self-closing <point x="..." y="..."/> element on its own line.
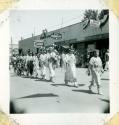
<point x="56" y="36"/>
<point x="94" y="23"/>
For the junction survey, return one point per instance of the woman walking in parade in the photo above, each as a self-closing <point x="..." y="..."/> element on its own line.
<point x="36" y="65"/>
<point x="43" y="61"/>
<point x="52" y="60"/>
<point x="70" y="69"/>
<point x="30" y="64"/>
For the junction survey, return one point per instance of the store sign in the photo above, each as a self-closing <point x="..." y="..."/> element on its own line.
<point x="38" y="43"/>
<point x="56" y="35"/>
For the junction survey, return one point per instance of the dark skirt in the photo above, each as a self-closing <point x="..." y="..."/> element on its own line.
<point x="30" y="67"/>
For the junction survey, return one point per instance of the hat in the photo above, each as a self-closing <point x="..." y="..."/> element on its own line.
<point x="50" y="48"/>
<point x="71" y="50"/>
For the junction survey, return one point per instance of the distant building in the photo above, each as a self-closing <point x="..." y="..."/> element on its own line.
<point x="13" y="49"/>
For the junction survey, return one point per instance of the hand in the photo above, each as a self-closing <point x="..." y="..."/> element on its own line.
<point x="88" y="72"/>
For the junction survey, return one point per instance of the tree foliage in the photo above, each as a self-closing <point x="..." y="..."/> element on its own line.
<point x="93" y="14"/>
<point x="90" y="14"/>
<point x="102" y="14"/>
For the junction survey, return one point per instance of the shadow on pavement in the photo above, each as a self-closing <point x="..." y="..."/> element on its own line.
<point x="30" y="77"/>
<point x="44" y="80"/>
<point x="107" y="108"/>
<point x="25" y="77"/>
<point x="58" y="85"/>
<point x="105" y="79"/>
<point x="81" y="85"/>
<point x="67" y="85"/>
<point x="105" y="100"/>
<point x="84" y="91"/>
<point x="14" y="109"/>
<point x="39" y="95"/>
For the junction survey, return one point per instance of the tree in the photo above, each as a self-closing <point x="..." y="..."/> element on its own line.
<point x="90" y="14"/>
<point x="103" y="13"/>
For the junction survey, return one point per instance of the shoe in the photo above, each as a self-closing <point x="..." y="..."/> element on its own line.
<point x="76" y="85"/>
<point x="51" y="80"/>
<point x="90" y="88"/>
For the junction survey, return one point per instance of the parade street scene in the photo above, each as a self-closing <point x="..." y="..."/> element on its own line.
<point x="63" y="67"/>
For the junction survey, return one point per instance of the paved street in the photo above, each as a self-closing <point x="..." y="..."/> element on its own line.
<point x="37" y="96"/>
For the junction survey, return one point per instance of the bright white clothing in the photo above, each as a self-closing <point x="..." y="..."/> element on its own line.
<point x="70" y="70"/>
<point x="28" y="58"/>
<point x="107" y="65"/>
<point x="36" y="65"/>
<point x="96" y="68"/>
<point x="51" y="56"/>
<point x="63" y="56"/>
<point x="43" y="61"/>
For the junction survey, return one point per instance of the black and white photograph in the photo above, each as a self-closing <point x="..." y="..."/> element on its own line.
<point x="59" y="61"/>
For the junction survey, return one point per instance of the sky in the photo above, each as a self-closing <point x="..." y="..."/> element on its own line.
<point x="25" y="22"/>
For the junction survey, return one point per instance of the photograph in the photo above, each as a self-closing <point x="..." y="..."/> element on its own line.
<point x="59" y="61"/>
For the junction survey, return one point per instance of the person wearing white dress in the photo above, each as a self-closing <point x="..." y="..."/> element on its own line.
<point x="51" y="56"/>
<point x="95" y="68"/>
<point x="43" y="61"/>
<point x="63" y="60"/>
<point x="70" y="69"/>
<point x="36" y="65"/>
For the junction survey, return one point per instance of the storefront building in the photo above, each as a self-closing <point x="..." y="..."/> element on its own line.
<point x="83" y="37"/>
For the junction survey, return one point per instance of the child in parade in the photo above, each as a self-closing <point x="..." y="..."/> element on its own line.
<point x="95" y="69"/>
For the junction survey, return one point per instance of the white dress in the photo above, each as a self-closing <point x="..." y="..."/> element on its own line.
<point x="36" y="66"/>
<point x="51" y="57"/>
<point x="63" y="60"/>
<point x="70" y="70"/>
<point x="43" y="60"/>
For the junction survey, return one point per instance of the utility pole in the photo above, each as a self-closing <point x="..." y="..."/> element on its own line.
<point x="34" y="30"/>
<point x="62" y="23"/>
